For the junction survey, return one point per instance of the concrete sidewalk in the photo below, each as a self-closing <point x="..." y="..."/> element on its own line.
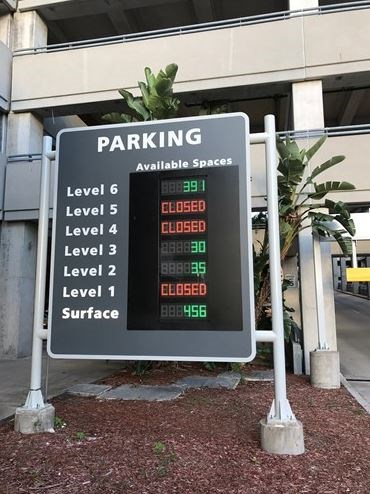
<point x="62" y="374"/>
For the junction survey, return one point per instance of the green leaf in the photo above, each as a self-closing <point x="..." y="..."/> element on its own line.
<point x="288" y="149"/>
<point x="282" y="149"/>
<point x="293" y="149"/>
<point x="171" y="71"/>
<point x="338" y="207"/>
<point x="347" y="224"/>
<point x="345" y="243"/>
<point x="322" y="189"/>
<point x="324" y="230"/>
<point x="150" y="78"/>
<point x="164" y="87"/>
<point x="325" y="166"/>
<point x="144" y="92"/>
<point x="292" y="170"/>
<point x="135" y="104"/>
<point x="313" y="149"/>
<point x="318" y="216"/>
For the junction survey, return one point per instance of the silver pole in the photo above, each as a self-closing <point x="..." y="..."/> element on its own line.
<point x="35" y="398"/>
<point x="280" y="409"/>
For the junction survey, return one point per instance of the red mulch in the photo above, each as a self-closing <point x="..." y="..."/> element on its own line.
<point x="205" y="442"/>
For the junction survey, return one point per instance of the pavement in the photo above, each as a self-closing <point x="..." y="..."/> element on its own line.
<point x="61" y="375"/>
<point x="353" y="338"/>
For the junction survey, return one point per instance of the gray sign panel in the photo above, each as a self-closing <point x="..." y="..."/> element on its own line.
<point x="152" y="240"/>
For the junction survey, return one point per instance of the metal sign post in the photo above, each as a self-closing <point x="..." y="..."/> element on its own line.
<point x="281" y="432"/>
<point x="36" y="415"/>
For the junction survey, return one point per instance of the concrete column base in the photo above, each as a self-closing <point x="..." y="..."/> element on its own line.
<point x="325" y="372"/>
<point x="282" y="438"/>
<point x="33" y="420"/>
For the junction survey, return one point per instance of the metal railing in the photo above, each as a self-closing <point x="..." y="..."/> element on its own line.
<point x="344" y="130"/>
<point x="196" y="28"/>
<point x="23" y="158"/>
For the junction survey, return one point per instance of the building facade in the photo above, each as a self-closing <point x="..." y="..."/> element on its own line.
<point x="62" y="61"/>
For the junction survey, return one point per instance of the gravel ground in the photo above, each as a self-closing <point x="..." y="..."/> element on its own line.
<point x="207" y="441"/>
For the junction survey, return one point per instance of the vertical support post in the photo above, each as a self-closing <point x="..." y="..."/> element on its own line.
<point x="35" y="415"/>
<point x="320" y="304"/>
<point x="34" y="398"/>
<point x="280" y="409"/>
<point x="281" y="433"/>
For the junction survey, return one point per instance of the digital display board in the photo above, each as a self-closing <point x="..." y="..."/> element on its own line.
<point x="191" y="279"/>
<point x="183" y="276"/>
<point x="152" y="242"/>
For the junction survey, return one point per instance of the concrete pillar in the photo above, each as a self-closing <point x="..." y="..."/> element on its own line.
<point x="17" y="284"/>
<point x="309" y="114"/>
<point x="29" y="30"/>
<point x="24" y="134"/>
<point x="6" y="30"/>
<point x="18" y="245"/>
<point x="308" y="108"/>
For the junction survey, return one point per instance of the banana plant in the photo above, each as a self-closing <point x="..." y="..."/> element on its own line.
<point x="156" y="101"/>
<point x="302" y="204"/>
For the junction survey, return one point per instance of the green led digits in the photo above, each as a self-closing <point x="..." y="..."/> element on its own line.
<point x="195" y="311"/>
<point x="198" y="267"/>
<point x="195" y="185"/>
<point x="198" y="247"/>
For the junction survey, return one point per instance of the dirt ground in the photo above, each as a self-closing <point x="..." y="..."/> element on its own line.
<point x="206" y="441"/>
